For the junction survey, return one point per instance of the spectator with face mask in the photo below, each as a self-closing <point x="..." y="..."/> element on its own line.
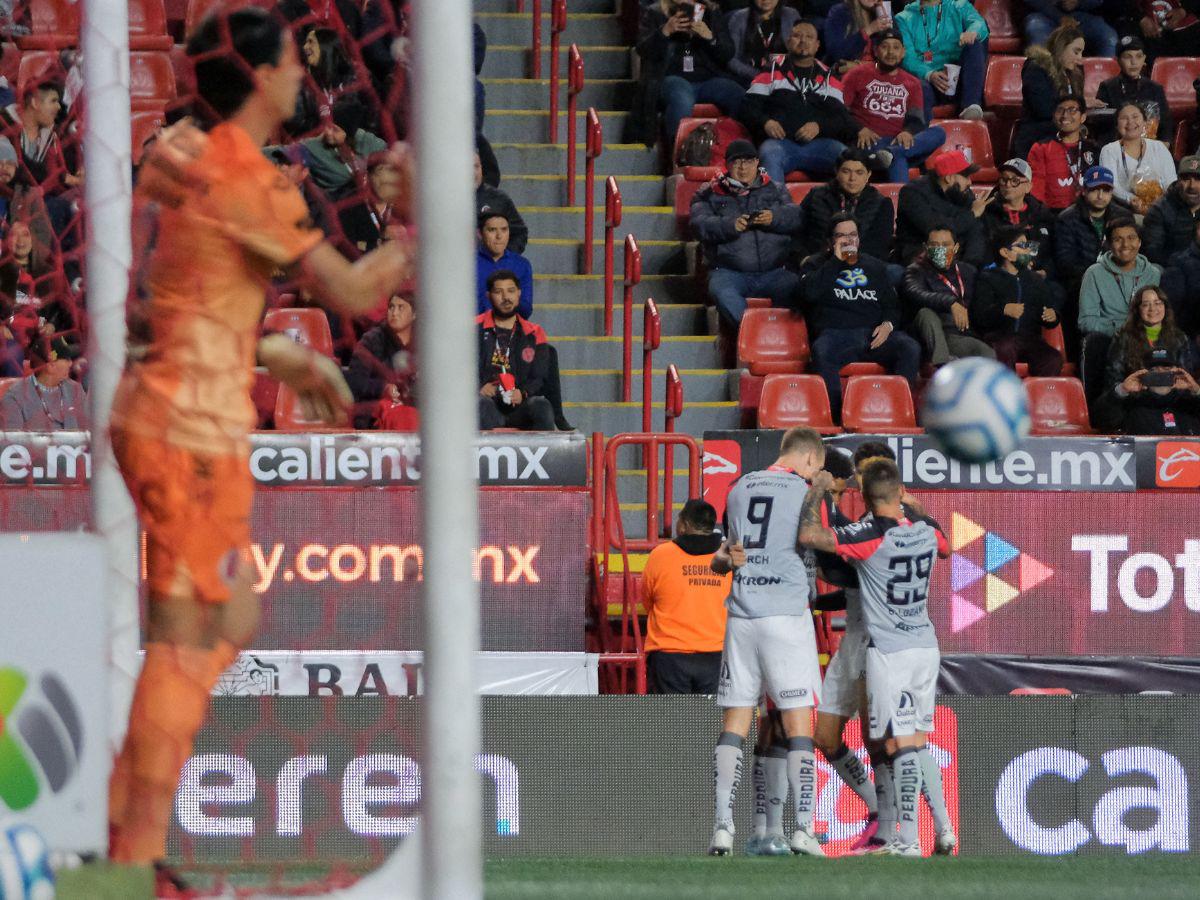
<point x="1058" y="162"/>
<point x="1010" y="204"/>
<point x="494" y="255"/>
<point x="852" y="308"/>
<point x="1012" y="306"/>
<point x="937" y="294"/>
<point x="943" y="196"/>
<point x="1149" y="388"/>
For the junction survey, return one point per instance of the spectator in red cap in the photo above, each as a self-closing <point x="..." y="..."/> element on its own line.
<point x="890" y="106"/>
<point x="1058" y="162"/>
<point x="942" y="196"/>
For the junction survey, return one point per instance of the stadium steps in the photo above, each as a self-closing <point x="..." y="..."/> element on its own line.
<point x="582" y="27"/>
<point x="582" y="318"/>
<point x="514" y="61"/>
<point x="542" y="190"/>
<point x="568" y="304"/>
<point x="647" y="222"/>
<point x="526" y="93"/>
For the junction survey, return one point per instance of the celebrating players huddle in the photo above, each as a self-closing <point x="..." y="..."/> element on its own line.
<point x="783" y="528"/>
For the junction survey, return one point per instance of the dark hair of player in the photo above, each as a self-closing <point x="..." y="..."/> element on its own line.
<point x="46" y="86"/>
<point x="838" y="464"/>
<point x="502" y="275"/>
<point x="799" y="439"/>
<point x="881" y="482"/>
<point x="870" y="450"/>
<point x="698" y="515"/>
<point x="225" y="49"/>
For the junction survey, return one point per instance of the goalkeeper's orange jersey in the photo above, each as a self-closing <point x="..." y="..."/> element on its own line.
<point x="204" y="285"/>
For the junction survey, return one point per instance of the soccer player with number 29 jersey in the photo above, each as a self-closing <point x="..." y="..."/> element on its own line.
<point x="770" y="642"/>
<point x="894" y="556"/>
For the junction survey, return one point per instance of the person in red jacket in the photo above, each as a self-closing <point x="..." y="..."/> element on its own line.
<point x="1058" y="163"/>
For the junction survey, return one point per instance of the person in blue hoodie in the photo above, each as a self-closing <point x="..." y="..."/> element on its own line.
<point x="493" y="255"/>
<point x="850" y="303"/>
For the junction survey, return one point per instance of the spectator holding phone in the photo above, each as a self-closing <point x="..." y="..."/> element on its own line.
<point x="1149" y="388"/>
<point x="685" y="50"/>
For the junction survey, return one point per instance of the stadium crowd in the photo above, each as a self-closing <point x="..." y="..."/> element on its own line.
<point x="1036" y="261"/>
<point x="902" y="253"/>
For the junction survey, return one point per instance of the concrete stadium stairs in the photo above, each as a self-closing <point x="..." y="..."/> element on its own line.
<point x="568" y="304"/>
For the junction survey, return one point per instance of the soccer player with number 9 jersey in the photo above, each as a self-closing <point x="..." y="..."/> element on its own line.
<point x="894" y="556"/>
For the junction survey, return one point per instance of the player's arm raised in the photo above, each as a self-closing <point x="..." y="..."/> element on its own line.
<point x="355" y="288"/>
<point x="813" y="532"/>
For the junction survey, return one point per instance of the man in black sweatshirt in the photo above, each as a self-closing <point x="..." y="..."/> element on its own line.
<point x="802" y="124"/>
<point x="850" y="191"/>
<point x="851" y="305"/>
<point x="1013" y="304"/>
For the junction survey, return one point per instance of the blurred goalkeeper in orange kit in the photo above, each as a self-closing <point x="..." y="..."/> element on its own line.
<point x="224" y="220"/>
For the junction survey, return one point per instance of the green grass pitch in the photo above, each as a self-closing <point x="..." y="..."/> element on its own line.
<point x="1011" y="878"/>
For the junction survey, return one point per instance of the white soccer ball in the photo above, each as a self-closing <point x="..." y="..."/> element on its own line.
<point x="25" y="871"/>
<point x="976" y="409"/>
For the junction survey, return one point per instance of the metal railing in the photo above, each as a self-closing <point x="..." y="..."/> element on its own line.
<point x="612" y="220"/>
<point x="535" y="44"/>
<point x="672" y="410"/>
<point x="633" y="277"/>
<point x="558" y="24"/>
<point x="651" y="339"/>
<point x="595" y="146"/>
<point x="574" y="88"/>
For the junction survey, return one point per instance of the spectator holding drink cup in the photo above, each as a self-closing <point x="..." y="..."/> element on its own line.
<point x="946" y="42"/>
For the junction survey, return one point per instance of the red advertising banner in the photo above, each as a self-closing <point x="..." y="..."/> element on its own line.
<point x="340" y="568"/>
<point x="1067" y="573"/>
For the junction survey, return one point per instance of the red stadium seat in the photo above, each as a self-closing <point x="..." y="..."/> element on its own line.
<point x="1002" y="84"/>
<point x="1053" y="337"/>
<point x="892" y="192"/>
<point x="265" y="394"/>
<point x="1176" y="74"/>
<point x="196" y="10"/>
<point x="1095" y="70"/>
<point x="145" y="124"/>
<point x="861" y="368"/>
<point x="789" y="400"/>
<point x="975" y="141"/>
<point x="707" y="111"/>
<point x="684" y="192"/>
<point x="151" y="80"/>
<point x="304" y="325"/>
<point x="772" y="341"/>
<point x="1003" y="36"/>
<point x="148" y="26"/>
<point x="727" y="131"/>
<point x="53" y="24"/>
<point x="878" y="404"/>
<point x="1057" y="406"/>
<point x="290" y="417"/>
<point x="799" y="191"/>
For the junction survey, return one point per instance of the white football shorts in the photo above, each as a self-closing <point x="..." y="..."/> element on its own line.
<point x="842" y="689"/>
<point x="902" y="690"/>
<point x="775" y="654"/>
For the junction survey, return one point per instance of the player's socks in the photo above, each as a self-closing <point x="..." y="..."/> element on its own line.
<point x="775" y="767"/>
<point x="931" y="789"/>
<point x="727" y="773"/>
<point x="760" y="796"/>
<point x="169" y="705"/>
<point x="851" y="770"/>
<point x="906" y="774"/>
<point x="802" y="778"/>
<point x="885" y="795"/>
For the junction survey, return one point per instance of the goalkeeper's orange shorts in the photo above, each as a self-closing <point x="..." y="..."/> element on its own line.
<point x="195" y="510"/>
